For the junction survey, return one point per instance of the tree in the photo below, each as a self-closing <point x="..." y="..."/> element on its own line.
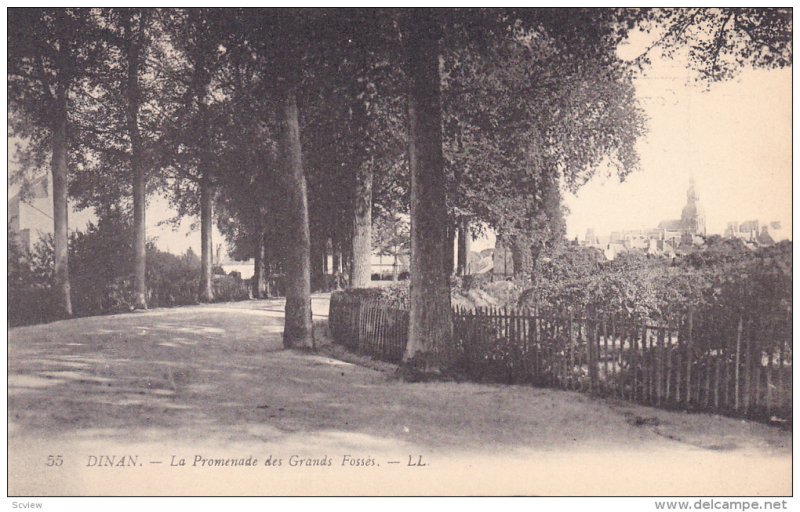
<point x="298" y="329"/>
<point x="429" y="347"/>
<point x="371" y="84"/>
<point x="50" y="52"/>
<point x="528" y="106"/>
<point x="134" y="25"/>
<point x="508" y="107"/>
<point x="391" y="237"/>
<point x="276" y="41"/>
<point x="353" y="133"/>
<point x="119" y="119"/>
<point x="246" y="191"/>
<point x="19" y="268"/>
<point x="282" y="49"/>
<point x="195" y="37"/>
<point x="719" y="41"/>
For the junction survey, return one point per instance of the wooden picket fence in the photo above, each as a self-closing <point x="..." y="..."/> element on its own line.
<point x="366" y="326"/>
<point x="744" y="369"/>
<point x="654" y="364"/>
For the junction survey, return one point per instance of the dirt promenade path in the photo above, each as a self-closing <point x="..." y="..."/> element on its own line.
<point x="211" y="386"/>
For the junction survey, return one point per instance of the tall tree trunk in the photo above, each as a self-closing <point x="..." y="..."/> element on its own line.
<point x="58" y="168"/>
<point x="347" y="263"/>
<point x="450" y="252"/>
<point x="201" y="78"/>
<point x="362" y="228"/>
<point x="139" y="235"/>
<point x="138" y="169"/>
<point x="325" y="267"/>
<point x="206" y="249"/>
<point x="430" y="327"/>
<point x="268" y="267"/>
<point x="336" y="262"/>
<point x="464" y="239"/>
<point x="259" y="268"/>
<point x="362" y="199"/>
<point x="298" y="327"/>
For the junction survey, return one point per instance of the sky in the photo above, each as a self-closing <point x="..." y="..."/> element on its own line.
<point x="734" y="139"/>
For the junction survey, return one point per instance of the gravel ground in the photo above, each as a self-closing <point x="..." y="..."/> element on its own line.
<point x="208" y="382"/>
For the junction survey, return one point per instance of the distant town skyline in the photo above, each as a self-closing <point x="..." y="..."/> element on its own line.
<point x="734" y="140"/>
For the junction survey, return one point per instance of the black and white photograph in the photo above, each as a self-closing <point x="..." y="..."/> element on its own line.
<point x="400" y="251"/>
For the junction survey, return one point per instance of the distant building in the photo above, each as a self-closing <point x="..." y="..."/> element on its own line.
<point x="747" y="230"/>
<point x="613" y="249"/>
<point x="591" y="239"/>
<point x="386" y="265"/>
<point x="30" y="215"/>
<point x="670" y="238"/>
<point x="756" y="232"/>
<point x="245" y="268"/>
<point x="656" y="247"/>
<point x="764" y="237"/>
<point x="693" y="218"/>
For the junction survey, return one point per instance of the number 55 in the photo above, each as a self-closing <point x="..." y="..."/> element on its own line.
<point x="54" y="460"/>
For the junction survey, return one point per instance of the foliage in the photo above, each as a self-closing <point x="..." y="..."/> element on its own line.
<point x="539" y="102"/>
<point x="719" y="41"/>
<point x="51" y="52"/>
<point x="19" y="268"/>
<point x="720" y="284"/>
<point x="533" y="100"/>
<point x="396" y="294"/>
<point x="101" y="258"/>
<point x="391" y="235"/>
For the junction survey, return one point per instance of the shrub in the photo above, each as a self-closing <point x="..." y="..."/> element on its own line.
<point x="30" y="305"/>
<point x="228" y="288"/>
<point x="722" y="283"/>
<point x="101" y="275"/>
<point x="171" y="280"/>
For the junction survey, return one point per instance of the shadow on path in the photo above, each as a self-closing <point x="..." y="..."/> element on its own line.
<point x="219" y="371"/>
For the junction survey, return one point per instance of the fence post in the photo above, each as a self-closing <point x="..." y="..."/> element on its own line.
<point x="782" y="354"/>
<point x="571" y="352"/>
<point x="362" y="322"/>
<point x="593" y="339"/>
<point x="659" y="364"/>
<point x="617" y="364"/>
<point x="717" y="361"/>
<point x="689" y="358"/>
<point x="605" y="351"/>
<point x="668" y="336"/>
<point x="748" y="363"/>
<point x="768" y="398"/>
<point x="647" y="364"/>
<point x="635" y="360"/>
<point x="736" y="368"/>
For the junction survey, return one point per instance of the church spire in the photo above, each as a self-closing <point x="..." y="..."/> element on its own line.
<point x="691" y="194"/>
<point x="692" y="217"/>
